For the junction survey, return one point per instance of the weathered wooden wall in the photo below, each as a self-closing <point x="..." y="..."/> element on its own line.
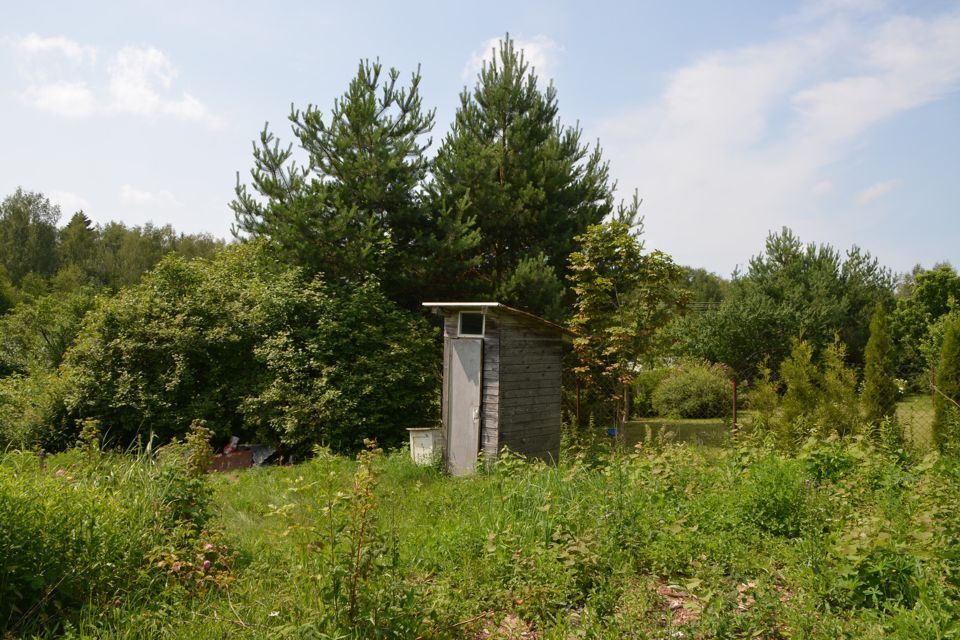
<point x="529" y="389"/>
<point x="520" y="386"/>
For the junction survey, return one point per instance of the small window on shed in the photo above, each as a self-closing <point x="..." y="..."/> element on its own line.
<point x="471" y="323"/>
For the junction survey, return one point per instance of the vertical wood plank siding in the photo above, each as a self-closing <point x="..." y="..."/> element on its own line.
<point x="529" y="398"/>
<point x="490" y="415"/>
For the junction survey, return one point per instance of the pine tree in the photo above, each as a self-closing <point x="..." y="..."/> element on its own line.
<point x="78" y="243"/>
<point x="527" y="180"/>
<point x="838" y="411"/>
<point x="947" y="391"/>
<point x="879" y="396"/>
<point x="357" y="208"/>
<point x="800" y="399"/>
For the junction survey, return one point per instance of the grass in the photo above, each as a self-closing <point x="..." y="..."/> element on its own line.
<point x="915" y="413"/>
<point x="705" y="431"/>
<point x="844" y="539"/>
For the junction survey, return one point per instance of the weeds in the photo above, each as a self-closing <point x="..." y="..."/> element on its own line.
<point x="849" y="538"/>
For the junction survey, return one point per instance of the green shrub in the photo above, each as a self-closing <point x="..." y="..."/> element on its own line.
<point x="78" y="532"/>
<point x="256" y="350"/>
<point x="774" y="497"/>
<point x="32" y="412"/>
<point x="947" y="392"/>
<point x="828" y="459"/>
<point x="645" y="383"/>
<point x="879" y="395"/>
<point x="694" y="390"/>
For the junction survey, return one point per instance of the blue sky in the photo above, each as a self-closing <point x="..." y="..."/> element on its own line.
<point x="837" y="118"/>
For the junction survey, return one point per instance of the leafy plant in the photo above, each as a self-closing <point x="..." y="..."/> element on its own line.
<point x="775" y="497"/>
<point x="694" y="390"/>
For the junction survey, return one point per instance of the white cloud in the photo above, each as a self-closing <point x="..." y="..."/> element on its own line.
<point x="35" y="44"/>
<point x="69" y="202"/>
<point x="130" y="195"/>
<point x="540" y="52"/>
<point x="822" y="187"/>
<point x="736" y="139"/>
<point x="137" y="81"/>
<point x="67" y="99"/>
<point x="138" y="75"/>
<point x="877" y="190"/>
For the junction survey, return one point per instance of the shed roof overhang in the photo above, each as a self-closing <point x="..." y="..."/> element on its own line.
<point x="445" y="308"/>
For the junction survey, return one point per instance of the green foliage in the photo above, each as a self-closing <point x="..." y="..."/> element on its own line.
<point x="8" y="294"/>
<point x="366" y="369"/>
<point x="930" y="296"/>
<point x="705" y="287"/>
<point x="530" y="184"/>
<point x="355" y="210"/>
<point x="947" y="389"/>
<point x="534" y="285"/>
<point x="623" y="296"/>
<point x="817" y="401"/>
<point x="763" y="399"/>
<point x="842" y="541"/>
<point x="32" y="412"/>
<point x="254" y="349"/>
<point x="645" y="382"/>
<point x="838" y="409"/>
<point x="34" y="254"/>
<point x="76" y="533"/>
<point x="799" y="374"/>
<point x="789" y="289"/>
<point x="28" y="235"/>
<point x="774" y="497"/>
<point x="879" y="395"/>
<point x="694" y="390"/>
<point x="78" y="243"/>
<point x="36" y="334"/>
<point x="124" y="254"/>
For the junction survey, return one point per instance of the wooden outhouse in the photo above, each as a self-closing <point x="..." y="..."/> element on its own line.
<point x="501" y="383"/>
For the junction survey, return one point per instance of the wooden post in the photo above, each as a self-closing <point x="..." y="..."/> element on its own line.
<point x="579" y="423"/>
<point x="734" y="421"/>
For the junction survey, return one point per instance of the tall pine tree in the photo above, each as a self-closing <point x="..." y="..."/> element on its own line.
<point x="78" y="243"/>
<point x="879" y="396"/>
<point x="529" y="182"/>
<point x="356" y="208"/>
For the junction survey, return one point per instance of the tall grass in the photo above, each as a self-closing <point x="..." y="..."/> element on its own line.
<point x="844" y="539"/>
<point x="76" y="534"/>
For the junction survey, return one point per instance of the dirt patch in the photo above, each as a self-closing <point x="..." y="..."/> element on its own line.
<point x="679" y="607"/>
<point x="509" y="627"/>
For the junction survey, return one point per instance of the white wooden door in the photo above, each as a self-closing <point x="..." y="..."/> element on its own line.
<point x="463" y="404"/>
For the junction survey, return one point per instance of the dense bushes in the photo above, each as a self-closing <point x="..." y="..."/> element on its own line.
<point x="694" y="390"/>
<point x="255" y="350"/>
<point x="79" y="532"/>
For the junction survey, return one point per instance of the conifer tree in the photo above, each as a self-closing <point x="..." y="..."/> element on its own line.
<point x="799" y="374"/>
<point x="838" y="411"/>
<point x="78" y="243"/>
<point x="947" y="386"/>
<point x="879" y="396"/>
<point x="356" y="209"/>
<point x="529" y="182"/>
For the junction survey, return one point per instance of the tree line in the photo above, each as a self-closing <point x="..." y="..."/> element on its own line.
<point x="308" y="328"/>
